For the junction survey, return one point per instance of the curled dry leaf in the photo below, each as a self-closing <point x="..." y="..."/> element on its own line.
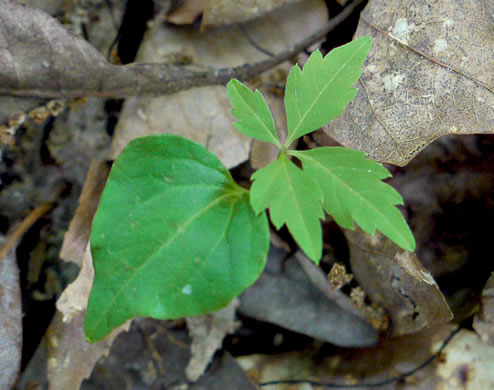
<point x="483" y="321"/>
<point x="204" y="114"/>
<point x="74" y="298"/>
<point x="397" y="281"/>
<point x="77" y="237"/>
<point x="10" y="320"/>
<point x="428" y="74"/>
<point x="207" y="333"/>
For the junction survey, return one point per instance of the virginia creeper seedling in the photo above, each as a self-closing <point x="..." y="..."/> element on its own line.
<point x="175" y="236"/>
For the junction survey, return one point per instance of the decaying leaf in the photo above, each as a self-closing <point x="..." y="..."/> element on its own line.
<point x="10" y="320"/>
<point x="221" y="12"/>
<point x="296" y="296"/>
<point x="428" y="74"/>
<point x="77" y="237"/>
<point x="186" y="12"/>
<point x="74" y="298"/>
<point x="397" y="281"/>
<point x="203" y="114"/>
<point x="207" y="333"/>
<point x="483" y="321"/>
<point x="70" y="357"/>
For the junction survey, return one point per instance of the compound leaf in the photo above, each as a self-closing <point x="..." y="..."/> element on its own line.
<point x="253" y="114"/>
<point x="353" y="191"/>
<point x="174" y="236"/>
<point x="294" y="199"/>
<point x="322" y="90"/>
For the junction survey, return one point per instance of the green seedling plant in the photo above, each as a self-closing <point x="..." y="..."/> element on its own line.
<point x="174" y="235"/>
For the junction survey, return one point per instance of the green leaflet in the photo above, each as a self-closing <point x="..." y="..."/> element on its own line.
<point x="353" y="191"/>
<point x="253" y="114"/>
<point x="294" y="199"/>
<point x="174" y="236"/>
<point x="322" y="90"/>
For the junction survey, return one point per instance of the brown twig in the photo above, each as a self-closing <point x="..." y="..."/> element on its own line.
<point x="29" y="221"/>
<point x="138" y="79"/>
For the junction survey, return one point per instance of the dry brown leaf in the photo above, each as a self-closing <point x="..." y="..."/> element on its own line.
<point x="204" y="114"/>
<point x="10" y="320"/>
<point x="483" y="322"/>
<point x="397" y="281"/>
<point x="429" y="73"/>
<point x="223" y="12"/>
<point x="207" y="333"/>
<point x="77" y="237"/>
<point x="187" y="12"/>
<point x="70" y="357"/>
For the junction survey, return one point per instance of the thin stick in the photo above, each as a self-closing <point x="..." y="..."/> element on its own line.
<point x="163" y="79"/>
<point x="29" y="221"/>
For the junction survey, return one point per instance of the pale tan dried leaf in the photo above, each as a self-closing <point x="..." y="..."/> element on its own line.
<point x="77" y="237"/>
<point x="204" y="114"/>
<point x="75" y="296"/>
<point x="429" y="73"/>
<point x="70" y="357"/>
<point x="223" y="12"/>
<point x="10" y="320"/>
<point x="207" y="333"/>
<point x="397" y="281"/>
<point x="187" y="12"/>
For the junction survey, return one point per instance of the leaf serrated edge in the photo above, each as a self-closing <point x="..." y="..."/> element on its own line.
<point x="407" y="237"/>
<point x="234" y="85"/>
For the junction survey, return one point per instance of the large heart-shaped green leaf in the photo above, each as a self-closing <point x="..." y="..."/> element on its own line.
<point x="174" y="236"/>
